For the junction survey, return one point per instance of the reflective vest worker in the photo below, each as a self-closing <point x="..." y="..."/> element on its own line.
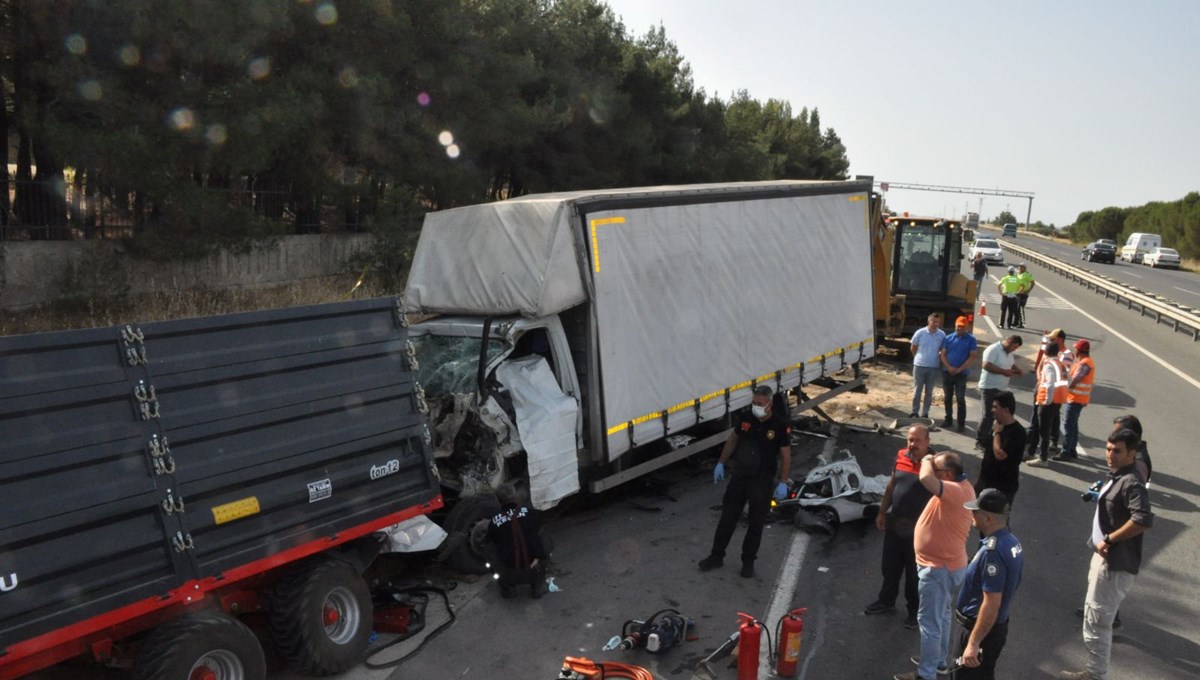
<point x="1026" y="279"/>
<point x="1083" y="375"/>
<point x="1010" y="285"/>
<point x="1052" y="381"/>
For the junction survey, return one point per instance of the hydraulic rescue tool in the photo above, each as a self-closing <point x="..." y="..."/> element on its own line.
<point x="658" y="633"/>
<point x="579" y="668"/>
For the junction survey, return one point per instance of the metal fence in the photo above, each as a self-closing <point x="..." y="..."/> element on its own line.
<point x="35" y="210"/>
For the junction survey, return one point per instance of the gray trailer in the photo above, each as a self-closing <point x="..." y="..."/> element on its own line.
<point x="579" y="340"/>
<point x="160" y="481"/>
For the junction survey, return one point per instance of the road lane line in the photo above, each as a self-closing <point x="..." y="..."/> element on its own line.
<point x="1149" y="355"/>
<point x="789" y="576"/>
<point x="1185" y="290"/>
<point x="1135" y="275"/>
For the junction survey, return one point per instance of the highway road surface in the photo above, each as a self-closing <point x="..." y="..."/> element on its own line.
<point x="1180" y="286"/>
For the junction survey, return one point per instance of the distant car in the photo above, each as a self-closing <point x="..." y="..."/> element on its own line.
<point x="1162" y="257"/>
<point x="1010" y="230"/>
<point x="990" y="250"/>
<point x="1099" y="251"/>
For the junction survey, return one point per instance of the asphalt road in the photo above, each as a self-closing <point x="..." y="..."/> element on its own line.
<point x="1178" y="285"/>
<point x="634" y="552"/>
<point x="1161" y="635"/>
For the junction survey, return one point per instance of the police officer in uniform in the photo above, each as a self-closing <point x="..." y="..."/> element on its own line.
<point x="758" y="438"/>
<point x="988" y="588"/>
<point x="1010" y="304"/>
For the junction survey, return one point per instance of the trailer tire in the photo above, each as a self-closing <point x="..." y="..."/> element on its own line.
<point x="201" y="645"/>
<point x="469" y="518"/>
<point x="321" y="617"/>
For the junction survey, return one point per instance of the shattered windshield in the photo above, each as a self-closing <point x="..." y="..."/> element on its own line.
<point x="450" y="364"/>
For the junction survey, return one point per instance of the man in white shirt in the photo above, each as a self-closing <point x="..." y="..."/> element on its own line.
<point x="999" y="364"/>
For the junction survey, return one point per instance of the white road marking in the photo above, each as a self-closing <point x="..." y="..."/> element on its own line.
<point x="1185" y="290"/>
<point x="1149" y="355"/>
<point x="1134" y="275"/>
<point x="785" y="585"/>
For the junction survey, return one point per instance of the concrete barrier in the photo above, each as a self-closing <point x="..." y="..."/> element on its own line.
<point x="37" y="272"/>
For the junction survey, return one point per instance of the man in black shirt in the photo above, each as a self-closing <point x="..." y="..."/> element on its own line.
<point x="758" y="438"/>
<point x="1001" y="465"/>
<point x="903" y="501"/>
<point x="1122" y="516"/>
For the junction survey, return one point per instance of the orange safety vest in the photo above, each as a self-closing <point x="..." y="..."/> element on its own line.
<point x="1058" y="386"/>
<point x="1081" y="393"/>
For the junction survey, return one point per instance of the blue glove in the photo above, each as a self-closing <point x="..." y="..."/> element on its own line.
<point x="718" y="472"/>
<point x="781" y="491"/>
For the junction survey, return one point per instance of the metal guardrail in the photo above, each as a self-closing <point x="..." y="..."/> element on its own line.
<point x="1183" y="318"/>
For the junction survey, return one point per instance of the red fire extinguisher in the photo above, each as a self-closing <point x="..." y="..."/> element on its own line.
<point x="788" y="632"/>
<point x="749" y="641"/>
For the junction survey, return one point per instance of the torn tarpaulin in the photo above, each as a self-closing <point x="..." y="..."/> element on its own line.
<point x="546" y="419"/>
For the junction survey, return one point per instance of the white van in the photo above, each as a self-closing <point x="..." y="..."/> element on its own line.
<point x="1138" y="245"/>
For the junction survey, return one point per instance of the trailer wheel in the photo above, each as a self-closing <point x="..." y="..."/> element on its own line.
<point x="469" y="517"/>
<point x="201" y="646"/>
<point x="321" y="617"/>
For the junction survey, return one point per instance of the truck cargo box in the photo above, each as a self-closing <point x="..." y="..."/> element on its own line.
<point x="693" y="293"/>
<point x="135" y="460"/>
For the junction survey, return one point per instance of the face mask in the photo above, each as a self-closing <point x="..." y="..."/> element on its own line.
<point x="759" y="411"/>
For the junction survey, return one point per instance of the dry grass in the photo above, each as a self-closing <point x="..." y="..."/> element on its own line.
<point x="177" y="304"/>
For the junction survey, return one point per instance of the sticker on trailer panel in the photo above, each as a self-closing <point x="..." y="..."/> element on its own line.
<point x="389" y="468"/>
<point x="236" y="510"/>
<point x="319" y="491"/>
<point x="8" y="583"/>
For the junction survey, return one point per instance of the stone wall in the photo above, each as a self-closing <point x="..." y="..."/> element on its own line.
<point x="36" y="272"/>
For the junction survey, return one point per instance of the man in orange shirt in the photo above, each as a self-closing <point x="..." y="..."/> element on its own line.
<point x="940" y="542"/>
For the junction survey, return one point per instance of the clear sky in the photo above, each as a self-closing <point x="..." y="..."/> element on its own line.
<point x="1084" y="103"/>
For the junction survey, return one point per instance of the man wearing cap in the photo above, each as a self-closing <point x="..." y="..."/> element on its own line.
<point x="1057" y="337"/>
<point x="1010" y="305"/>
<point x="988" y="588"/>
<point x="999" y="364"/>
<point x="1051" y="395"/>
<point x="1027" y="284"/>
<point x="1122" y="516"/>
<point x="758" y="438"/>
<point x="1079" y="393"/>
<point x="957" y="354"/>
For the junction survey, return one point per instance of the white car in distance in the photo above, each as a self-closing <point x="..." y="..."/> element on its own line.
<point x="1162" y="257"/>
<point x="992" y="254"/>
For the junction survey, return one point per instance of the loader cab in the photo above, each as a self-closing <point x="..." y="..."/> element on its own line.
<point x="926" y="252"/>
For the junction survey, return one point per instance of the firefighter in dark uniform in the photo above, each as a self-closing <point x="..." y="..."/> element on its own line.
<point x="520" y="554"/>
<point x="757" y="440"/>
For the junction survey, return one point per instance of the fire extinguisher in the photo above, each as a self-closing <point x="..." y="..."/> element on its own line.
<point x="788" y="633"/>
<point x="749" y="642"/>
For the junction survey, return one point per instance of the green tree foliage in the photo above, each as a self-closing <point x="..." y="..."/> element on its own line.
<point x="1178" y="222"/>
<point x="1005" y="217"/>
<point x="218" y="122"/>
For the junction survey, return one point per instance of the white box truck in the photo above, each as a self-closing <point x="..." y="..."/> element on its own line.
<point x="1138" y="244"/>
<point x="579" y="340"/>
